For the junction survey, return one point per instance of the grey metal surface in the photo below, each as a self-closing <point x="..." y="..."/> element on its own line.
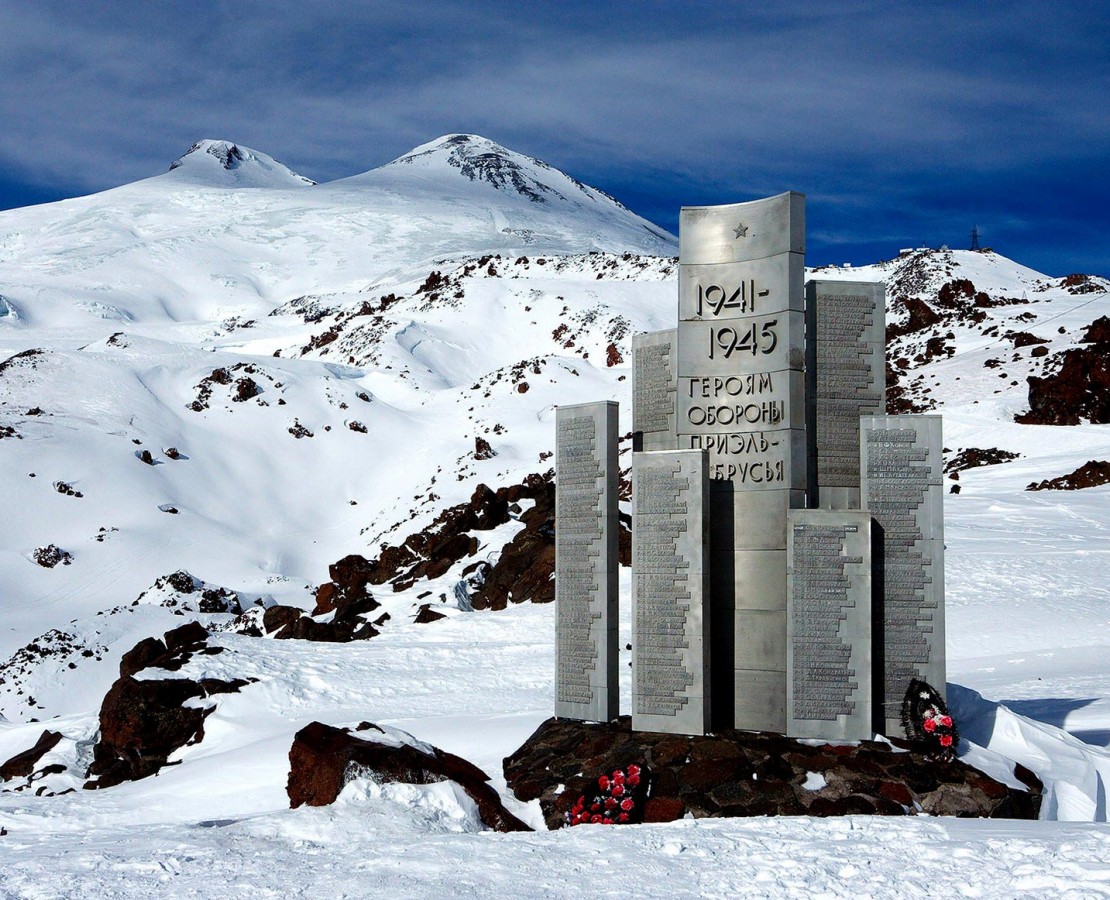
<point x="653" y="390"/>
<point x="900" y="485"/>
<point x="736" y="232"/>
<point x="670" y="620"/>
<point x="828" y="625"/>
<point x="586" y="530"/>
<point x="845" y="379"/>
<point x="740" y="363"/>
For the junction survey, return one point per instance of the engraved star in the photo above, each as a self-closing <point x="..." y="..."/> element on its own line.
<point x="740" y="230"/>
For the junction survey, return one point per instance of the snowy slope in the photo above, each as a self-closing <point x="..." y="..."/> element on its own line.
<point x="322" y="358"/>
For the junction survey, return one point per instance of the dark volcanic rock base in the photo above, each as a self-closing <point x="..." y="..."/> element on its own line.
<point x="322" y="759"/>
<point x="742" y="773"/>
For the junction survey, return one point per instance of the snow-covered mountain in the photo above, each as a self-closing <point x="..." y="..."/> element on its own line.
<point x="228" y="371"/>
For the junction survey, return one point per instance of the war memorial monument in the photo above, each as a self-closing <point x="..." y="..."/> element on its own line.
<point x="787" y="534"/>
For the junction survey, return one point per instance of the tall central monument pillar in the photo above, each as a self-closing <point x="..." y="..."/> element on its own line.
<point x="741" y="397"/>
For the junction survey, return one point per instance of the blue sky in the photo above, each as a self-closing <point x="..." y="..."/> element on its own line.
<point x="903" y="124"/>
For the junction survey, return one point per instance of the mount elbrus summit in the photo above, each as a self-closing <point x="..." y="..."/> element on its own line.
<point x="279" y="527"/>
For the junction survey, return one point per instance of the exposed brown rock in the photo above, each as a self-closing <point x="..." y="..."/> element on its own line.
<point x="1078" y="389"/>
<point x="1090" y="474"/>
<point x="22" y="765"/>
<point x="427" y="615"/>
<point x="974" y="457"/>
<point x="1098" y="332"/>
<point x="737" y="773"/>
<point x="51" y="555"/>
<point x="143" y="721"/>
<point x="322" y="760"/>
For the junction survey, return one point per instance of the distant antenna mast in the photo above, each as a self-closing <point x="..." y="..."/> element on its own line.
<point x="974" y="237"/>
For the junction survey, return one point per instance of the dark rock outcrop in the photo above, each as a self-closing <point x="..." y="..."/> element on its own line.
<point x="974" y="457"/>
<point x="737" y="773"/>
<point x="1091" y="474"/>
<point x="523" y="571"/>
<point x="1079" y="389"/>
<point x="291" y="623"/>
<point x="323" y="759"/>
<point x="52" y="555"/>
<point x="22" y="765"/>
<point x="143" y="721"/>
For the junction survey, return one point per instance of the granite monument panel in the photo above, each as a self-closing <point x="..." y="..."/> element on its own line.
<point x="740" y="396"/>
<point x="653" y="390"/>
<point x="845" y="379"/>
<point x="900" y="486"/>
<point x="828" y="625"/>
<point x="586" y="530"/>
<point x="670" y="592"/>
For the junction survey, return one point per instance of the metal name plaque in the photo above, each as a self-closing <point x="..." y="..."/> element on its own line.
<point x="845" y="379"/>
<point x="740" y="397"/>
<point x="670" y="591"/>
<point x="900" y="485"/>
<point x="586" y="524"/>
<point x="828" y="625"/>
<point x="653" y="390"/>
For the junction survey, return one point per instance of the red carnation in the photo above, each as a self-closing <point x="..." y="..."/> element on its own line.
<point x="618" y="776"/>
<point x="627" y="804"/>
<point x="634" y="769"/>
<point x="946" y="740"/>
<point x="633" y="780"/>
<point x="946" y="721"/>
<point x="595" y="807"/>
<point x="623" y="817"/>
<point x="618" y="790"/>
<point x="603" y="781"/>
<point x="929" y="725"/>
<point x="610" y="803"/>
<point x="595" y="819"/>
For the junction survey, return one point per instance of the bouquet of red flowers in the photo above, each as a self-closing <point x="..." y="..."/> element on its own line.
<point x="928" y="722"/>
<point x="619" y="799"/>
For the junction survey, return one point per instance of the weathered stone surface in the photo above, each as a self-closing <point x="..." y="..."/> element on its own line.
<point x="845" y="379"/>
<point x="323" y="759"/>
<point x="828" y="626"/>
<point x="587" y="527"/>
<point x="901" y="486"/>
<point x="143" y="722"/>
<point x="22" y="765"/>
<point x="670" y="592"/>
<point x="735" y="773"/>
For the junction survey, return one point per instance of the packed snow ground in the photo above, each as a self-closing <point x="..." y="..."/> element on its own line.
<point x="179" y="265"/>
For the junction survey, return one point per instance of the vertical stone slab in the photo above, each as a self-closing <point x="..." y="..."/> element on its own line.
<point x="900" y="485"/>
<point x="741" y="384"/>
<point x="845" y="379"/>
<point x="670" y="592"/>
<point x="828" y="625"/>
<point x="653" y="390"/>
<point x="586" y="492"/>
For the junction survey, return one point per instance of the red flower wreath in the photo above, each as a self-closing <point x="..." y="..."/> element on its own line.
<point x="620" y="800"/>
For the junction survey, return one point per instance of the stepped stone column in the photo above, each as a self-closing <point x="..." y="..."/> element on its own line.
<point x="670" y="592"/>
<point x="741" y="386"/>
<point x="900" y="485"/>
<point x="845" y="379"/>
<point x="586" y="529"/>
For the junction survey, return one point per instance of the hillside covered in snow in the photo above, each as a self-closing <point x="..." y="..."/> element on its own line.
<point x="325" y="413"/>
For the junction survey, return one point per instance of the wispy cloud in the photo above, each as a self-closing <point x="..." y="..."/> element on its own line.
<point x="925" y="115"/>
